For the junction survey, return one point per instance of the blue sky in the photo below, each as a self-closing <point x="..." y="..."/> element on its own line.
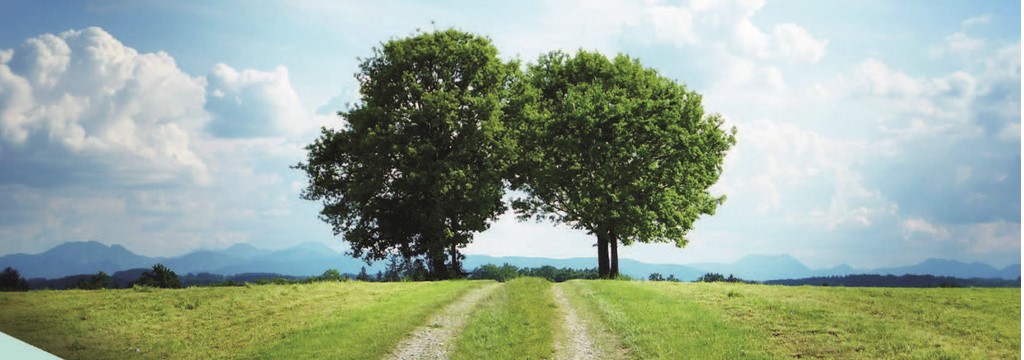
<point x="871" y="133"/>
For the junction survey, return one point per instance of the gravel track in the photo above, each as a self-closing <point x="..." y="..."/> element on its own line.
<point x="434" y="340"/>
<point x="577" y="344"/>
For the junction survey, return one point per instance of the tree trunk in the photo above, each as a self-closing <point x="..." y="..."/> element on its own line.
<point x="438" y="267"/>
<point x="602" y="256"/>
<point x="614" y="266"/>
<point x="456" y="269"/>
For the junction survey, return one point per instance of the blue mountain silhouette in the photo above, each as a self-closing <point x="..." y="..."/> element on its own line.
<point x="312" y="258"/>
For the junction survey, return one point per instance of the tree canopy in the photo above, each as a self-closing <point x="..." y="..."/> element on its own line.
<point x="11" y="280"/>
<point x="616" y="149"/>
<point x="418" y="166"/>
<point x="160" y="276"/>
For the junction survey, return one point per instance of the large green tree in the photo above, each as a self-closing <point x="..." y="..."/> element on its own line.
<point x="418" y="166"/>
<point x="615" y="149"/>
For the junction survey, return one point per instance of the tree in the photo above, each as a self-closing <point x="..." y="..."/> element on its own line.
<point x="160" y="276"/>
<point x="711" y="277"/>
<point x="615" y="149"/>
<point x="331" y="275"/>
<point x="656" y="277"/>
<point x="417" y="167"/>
<point x="97" y="281"/>
<point x="363" y="276"/>
<point x="393" y="270"/>
<point x="11" y="280"/>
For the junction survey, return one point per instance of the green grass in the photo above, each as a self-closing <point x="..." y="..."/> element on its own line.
<point x="325" y="320"/>
<point x="520" y="320"/>
<point x="656" y="326"/>
<point x="605" y="342"/>
<point x="517" y="321"/>
<point x="720" y="321"/>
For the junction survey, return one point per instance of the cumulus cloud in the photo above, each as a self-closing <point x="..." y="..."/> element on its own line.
<point x="779" y="166"/>
<point x="252" y="103"/>
<point x="730" y="23"/>
<point x="107" y="143"/>
<point x="878" y="79"/>
<point x="794" y="42"/>
<point x="82" y="101"/>
<point x="956" y="137"/>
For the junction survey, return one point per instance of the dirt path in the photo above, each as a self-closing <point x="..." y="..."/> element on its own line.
<point x="434" y="340"/>
<point x="577" y="344"/>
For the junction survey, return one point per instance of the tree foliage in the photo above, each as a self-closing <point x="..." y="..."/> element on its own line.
<point x="507" y="272"/>
<point x="615" y="149"/>
<point x="401" y="268"/>
<point x="332" y="275"/>
<point x="716" y="277"/>
<point x="363" y="275"/>
<point x="11" y="280"/>
<point x="96" y="281"/>
<point x="418" y="166"/>
<point x="160" y="276"/>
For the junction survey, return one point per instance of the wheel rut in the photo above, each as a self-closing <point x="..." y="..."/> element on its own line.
<point x="577" y="344"/>
<point x="434" y="340"/>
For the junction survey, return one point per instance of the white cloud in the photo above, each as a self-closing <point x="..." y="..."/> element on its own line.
<point x="672" y="24"/>
<point x="880" y="80"/>
<point x="776" y="165"/>
<point x="992" y="237"/>
<point x="84" y="95"/>
<point x="975" y="21"/>
<point x="959" y="44"/>
<point x="920" y="226"/>
<point x="715" y="23"/>
<point x="252" y="103"/>
<point x="852" y="203"/>
<point x="83" y="115"/>
<point x="794" y="42"/>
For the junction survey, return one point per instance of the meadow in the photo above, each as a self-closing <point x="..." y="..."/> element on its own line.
<point x="730" y="321"/>
<point x="521" y="319"/>
<point x="343" y="320"/>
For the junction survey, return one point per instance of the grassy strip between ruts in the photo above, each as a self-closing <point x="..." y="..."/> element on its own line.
<point x="816" y="322"/>
<point x="330" y="319"/>
<point x="517" y="321"/>
<point x="607" y="344"/>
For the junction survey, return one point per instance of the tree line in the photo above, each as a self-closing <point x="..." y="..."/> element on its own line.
<point x="445" y="128"/>
<point x="873" y="280"/>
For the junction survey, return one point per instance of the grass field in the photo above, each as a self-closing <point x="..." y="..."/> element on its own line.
<point x="729" y="321"/>
<point x="520" y="319"/>
<point x="341" y="320"/>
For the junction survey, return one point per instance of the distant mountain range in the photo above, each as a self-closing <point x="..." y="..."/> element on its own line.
<point x="312" y="258"/>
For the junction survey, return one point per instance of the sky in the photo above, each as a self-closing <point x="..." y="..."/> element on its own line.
<point x="870" y="133"/>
